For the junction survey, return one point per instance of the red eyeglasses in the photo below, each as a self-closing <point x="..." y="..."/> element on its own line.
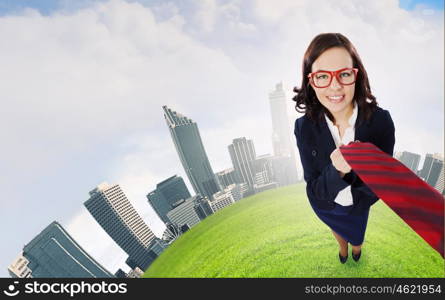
<point x="322" y="79"/>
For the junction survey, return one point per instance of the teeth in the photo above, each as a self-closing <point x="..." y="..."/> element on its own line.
<point x="335" y="97"/>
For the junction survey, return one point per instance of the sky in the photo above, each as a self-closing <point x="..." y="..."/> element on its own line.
<point x="83" y="84"/>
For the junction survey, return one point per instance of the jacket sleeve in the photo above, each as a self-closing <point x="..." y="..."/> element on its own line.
<point x="320" y="186"/>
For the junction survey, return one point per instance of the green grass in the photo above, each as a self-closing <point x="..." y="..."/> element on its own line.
<point x="276" y="234"/>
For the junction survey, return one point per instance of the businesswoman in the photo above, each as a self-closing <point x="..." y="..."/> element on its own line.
<point x="339" y="108"/>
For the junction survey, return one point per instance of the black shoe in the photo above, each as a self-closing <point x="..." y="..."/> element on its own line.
<point x="343" y="259"/>
<point x="356" y="257"/>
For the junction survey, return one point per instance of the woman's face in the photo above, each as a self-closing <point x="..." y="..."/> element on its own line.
<point x="336" y="98"/>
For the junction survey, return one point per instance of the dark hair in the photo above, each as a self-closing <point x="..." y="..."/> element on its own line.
<point x="306" y="100"/>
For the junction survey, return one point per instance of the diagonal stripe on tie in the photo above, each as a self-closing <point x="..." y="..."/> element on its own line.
<point x="412" y="199"/>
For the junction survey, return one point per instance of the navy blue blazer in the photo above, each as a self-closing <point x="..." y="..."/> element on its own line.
<point x="315" y="144"/>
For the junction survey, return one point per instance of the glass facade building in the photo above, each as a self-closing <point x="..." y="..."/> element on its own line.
<point x="53" y="253"/>
<point x="188" y="144"/>
<point x="166" y="194"/>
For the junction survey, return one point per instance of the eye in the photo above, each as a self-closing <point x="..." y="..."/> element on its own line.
<point x="321" y="76"/>
<point x="345" y="74"/>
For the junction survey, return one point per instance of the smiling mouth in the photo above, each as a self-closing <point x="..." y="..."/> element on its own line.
<point x="335" y="99"/>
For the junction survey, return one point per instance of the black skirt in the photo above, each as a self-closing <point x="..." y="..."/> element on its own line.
<point x="350" y="227"/>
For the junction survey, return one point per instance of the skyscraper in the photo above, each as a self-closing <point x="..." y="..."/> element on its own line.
<point x="112" y="210"/>
<point x="53" y="253"/>
<point x="431" y="168"/>
<point x="440" y="182"/>
<point x="411" y="160"/>
<point x="188" y="144"/>
<point x="427" y="163"/>
<point x="242" y="153"/>
<point x="436" y="168"/>
<point x="281" y="130"/>
<point x="166" y="194"/>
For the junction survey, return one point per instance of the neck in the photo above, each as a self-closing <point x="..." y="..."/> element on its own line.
<point x="342" y="117"/>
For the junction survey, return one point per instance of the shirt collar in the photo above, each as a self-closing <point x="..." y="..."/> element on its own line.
<point x="352" y="119"/>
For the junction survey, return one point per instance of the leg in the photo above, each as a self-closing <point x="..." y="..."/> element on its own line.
<point x="342" y="243"/>
<point x="356" y="252"/>
<point x="356" y="249"/>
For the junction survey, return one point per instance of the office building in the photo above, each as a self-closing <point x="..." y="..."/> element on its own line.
<point x="19" y="268"/>
<point x="436" y="168"/>
<point x="188" y="143"/>
<point x="53" y="253"/>
<point x="428" y="163"/>
<point x="221" y="200"/>
<point x="235" y="190"/>
<point x="115" y="214"/>
<point x="440" y="182"/>
<point x="227" y="177"/>
<point x="410" y="160"/>
<point x="166" y="194"/>
<point x="284" y="144"/>
<point x="242" y="153"/>
<point x="184" y="213"/>
<point x="202" y="207"/>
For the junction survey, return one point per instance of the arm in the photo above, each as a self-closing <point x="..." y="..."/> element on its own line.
<point x="320" y="186"/>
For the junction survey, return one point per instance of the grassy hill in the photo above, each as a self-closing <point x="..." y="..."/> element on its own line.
<point x="276" y="234"/>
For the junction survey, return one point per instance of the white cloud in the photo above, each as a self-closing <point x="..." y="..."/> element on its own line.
<point x="206" y="14"/>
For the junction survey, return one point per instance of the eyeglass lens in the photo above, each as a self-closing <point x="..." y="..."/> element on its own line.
<point x="323" y="79"/>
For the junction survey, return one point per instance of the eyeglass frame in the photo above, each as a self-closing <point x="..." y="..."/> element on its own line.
<point x="333" y="74"/>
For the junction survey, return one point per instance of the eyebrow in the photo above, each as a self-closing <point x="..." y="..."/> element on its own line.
<point x="320" y="70"/>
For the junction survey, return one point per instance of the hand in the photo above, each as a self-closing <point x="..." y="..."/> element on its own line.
<point x="339" y="162"/>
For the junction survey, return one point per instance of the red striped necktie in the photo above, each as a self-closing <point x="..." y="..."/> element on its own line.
<point x="415" y="201"/>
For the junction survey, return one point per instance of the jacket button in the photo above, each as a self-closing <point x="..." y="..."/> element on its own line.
<point x="314" y="152"/>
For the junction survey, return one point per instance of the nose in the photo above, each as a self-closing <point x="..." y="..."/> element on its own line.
<point x="335" y="84"/>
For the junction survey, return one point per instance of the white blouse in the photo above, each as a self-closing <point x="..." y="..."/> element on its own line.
<point x="344" y="197"/>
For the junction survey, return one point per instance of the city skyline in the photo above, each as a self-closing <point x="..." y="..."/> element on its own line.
<point x="116" y="200"/>
<point x="115" y="214"/>
<point x="85" y="86"/>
